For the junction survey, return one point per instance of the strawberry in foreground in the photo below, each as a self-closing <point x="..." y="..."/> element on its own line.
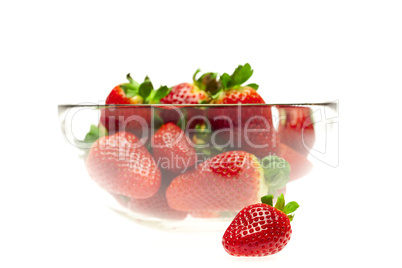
<point x="260" y="229"/>
<point x="120" y="164"/>
<point x="227" y="182"/>
<point x="129" y="118"/>
<point x="171" y="149"/>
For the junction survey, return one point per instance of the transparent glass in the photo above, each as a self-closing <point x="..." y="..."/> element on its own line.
<point x="188" y="167"/>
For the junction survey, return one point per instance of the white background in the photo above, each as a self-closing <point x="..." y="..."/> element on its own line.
<point x="55" y="52"/>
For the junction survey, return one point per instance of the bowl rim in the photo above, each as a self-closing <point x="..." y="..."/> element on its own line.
<point x="93" y="105"/>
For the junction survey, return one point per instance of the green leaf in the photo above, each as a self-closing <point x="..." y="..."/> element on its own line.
<point x="291" y="217"/>
<point x="130" y="90"/>
<point x="267" y="199"/>
<point x="290" y="207"/>
<point x="280" y="203"/>
<point x="217" y="94"/>
<point x="276" y="171"/>
<point x="195" y="75"/>
<point x="132" y="81"/>
<point x="255" y="86"/>
<point x="145" y="88"/>
<point x="160" y="93"/>
<point x="225" y="80"/>
<point x="95" y="133"/>
<point x="241" y="75"/>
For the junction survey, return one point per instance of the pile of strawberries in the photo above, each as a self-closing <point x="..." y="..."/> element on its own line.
<point x="216" y="152"/>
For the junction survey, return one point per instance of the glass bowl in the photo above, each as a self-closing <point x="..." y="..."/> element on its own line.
<point x="193" y="167"/>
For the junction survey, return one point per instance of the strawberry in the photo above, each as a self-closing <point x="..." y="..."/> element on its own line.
<point x="135" y="119"/>
<point x="192" y="93"/>
<point x="260" y="229"/>
<point x="299" y="164"/>
<point x="226" y="182"/>
<point x="196" y="92"/>
<point x="231" y="90"/>
<point x="171" y="149"/>
<point x="296" y="128"/>
<point x="248" y="128"/>
<point x="120" y="164"/>
<point x="154" y="206"/>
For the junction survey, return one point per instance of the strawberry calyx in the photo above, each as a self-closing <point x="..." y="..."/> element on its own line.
<point x="145" y="90"/>
<point x="95" y="132"/>
<point x="235" y="81"/>
<point x="276" y="172"/>
<point x="130" y="89"/>
<point x="207" y="82"/>
<point x="280" y="204"/>
<point x="201" y="138"/>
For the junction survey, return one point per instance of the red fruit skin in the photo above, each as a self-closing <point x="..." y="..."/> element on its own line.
<point x="155" y="206"/>
<point x="257" y="230"/>
<point x="226" y="182"/>
<point x="252" y="129"/>
<point x="296" y="128"/>
<point x="239" y="95"/>
<point x="258" y="136"/>
<point x="171" y="149"/>
<point x="125" y="118"/>
<point x="121" y="165"/>
<point x="185" y="93"/>
<point x="299" y="164"/>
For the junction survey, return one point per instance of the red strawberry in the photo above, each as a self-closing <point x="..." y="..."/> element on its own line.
<point x="194" y="93"/>
<point x="185" y="93"/>
<point x="243" y="94"/>
<point x="261" y="139"/>
<point x="231" y="91"/>
<point x="226" y="182"/>
<point x="172" y="150"/>
<point x="260" y="229"/>
<point x="299" y="164"/>
<point x="190" y="93"/>
<point x="135" y="119"/>
<point x="120" y="164"/>
<point x="296" y="128"/>
<point x="155" y="206"/>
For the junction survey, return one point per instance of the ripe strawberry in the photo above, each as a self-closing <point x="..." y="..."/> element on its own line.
<point x="171" y="149"/>
<point x="156" y="205"/>
<point x="231" y="90"/>
<point x="260" y="229"/>
<point x="299" y="164"/>
<point x="135" y="119"/>
<point x="296" y="128"/>
<point x="192" y="93"/>
<point x="120" y="164"/>
<point x="226" y="182"/>
<point x="233" y="123"/>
